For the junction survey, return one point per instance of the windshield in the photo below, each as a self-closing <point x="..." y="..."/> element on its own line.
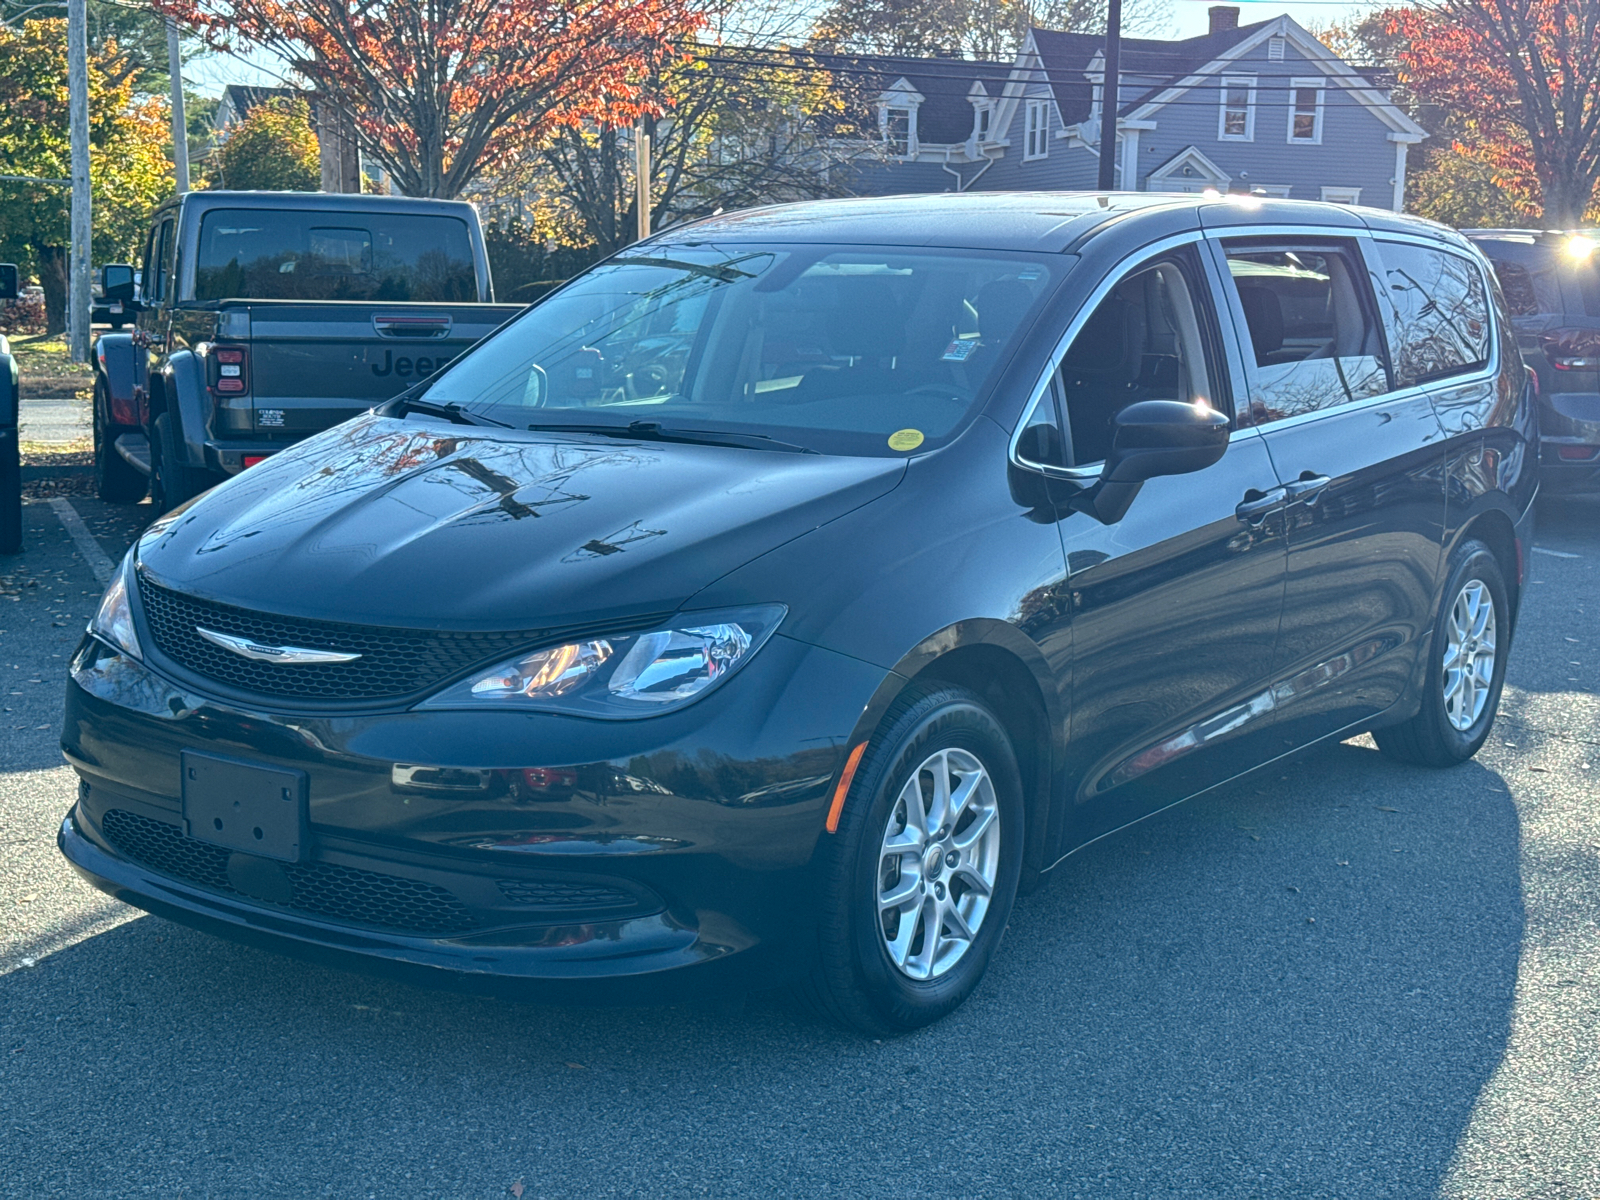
<point x="846" y="350"/>
<point x="267" y="254"/>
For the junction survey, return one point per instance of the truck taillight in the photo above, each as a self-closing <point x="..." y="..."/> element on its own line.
<point x="227" y="370"/>
<point x="1572" y="349"/>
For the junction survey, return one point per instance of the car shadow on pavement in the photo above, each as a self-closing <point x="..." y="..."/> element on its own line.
<point x="1295" y="986"/>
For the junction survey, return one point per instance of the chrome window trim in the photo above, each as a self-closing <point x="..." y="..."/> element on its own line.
<point x="1090" y="473"/>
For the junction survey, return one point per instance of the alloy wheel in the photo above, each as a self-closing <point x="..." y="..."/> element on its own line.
<point x="938" y="865"/>
<point x="1469" y="654"/>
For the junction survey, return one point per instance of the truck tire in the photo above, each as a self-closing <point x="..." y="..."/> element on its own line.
<point x="10" y="492"/>
<point x="172" y="481"/>
<point x="115" y="479"/>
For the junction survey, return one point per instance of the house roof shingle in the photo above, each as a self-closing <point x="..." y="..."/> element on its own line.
<point x="1065" y="56"/>
<point x="945" y="115"/>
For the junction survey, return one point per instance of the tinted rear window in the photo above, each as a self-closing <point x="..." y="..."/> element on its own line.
<point x="267" y="255"/>
<point x="1531" y="275"/>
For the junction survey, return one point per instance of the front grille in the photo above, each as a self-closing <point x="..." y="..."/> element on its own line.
<point x="393" y="663"/>
<point x="558" y="894"/>
<point x="345" y="894"/>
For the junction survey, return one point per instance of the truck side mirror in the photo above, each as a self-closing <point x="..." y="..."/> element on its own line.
<point x="116" y="282"/>
<point x="10" y="281"/>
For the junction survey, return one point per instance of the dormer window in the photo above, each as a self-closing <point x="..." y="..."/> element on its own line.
<point x="982" y="112"/>
<point x="898" y="127"/>
<point x="897" y="119"/>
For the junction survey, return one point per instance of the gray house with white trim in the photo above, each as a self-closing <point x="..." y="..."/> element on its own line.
<point x="1263" y="108"/>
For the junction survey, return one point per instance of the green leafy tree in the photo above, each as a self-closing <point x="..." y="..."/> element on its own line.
<point x="273" y="149"/>
<point x="129" y="171"/>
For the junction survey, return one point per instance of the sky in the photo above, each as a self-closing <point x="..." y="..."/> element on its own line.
<point x="1187" y="19"/>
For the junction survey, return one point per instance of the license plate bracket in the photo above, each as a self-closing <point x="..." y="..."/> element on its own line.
<point x="244" y="806"/>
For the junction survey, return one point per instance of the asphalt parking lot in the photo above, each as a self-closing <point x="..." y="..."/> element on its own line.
<point x="1348" y="979"/>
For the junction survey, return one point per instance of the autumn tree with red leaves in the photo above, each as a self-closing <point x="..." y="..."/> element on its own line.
<point x="1522" y="80"/>
<point x="443" y="91"/>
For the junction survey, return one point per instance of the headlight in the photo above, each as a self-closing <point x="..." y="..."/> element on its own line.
<point x="631" y="675"/>
<point x="113" y="620"/>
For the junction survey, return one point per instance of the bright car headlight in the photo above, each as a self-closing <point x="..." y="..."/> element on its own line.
<point x="627" y="676"/>
<point x="113" y="620"/>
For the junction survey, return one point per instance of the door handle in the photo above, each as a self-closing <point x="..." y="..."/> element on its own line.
<point x="1257" y="504"/>
<point x="1308" y="487"/>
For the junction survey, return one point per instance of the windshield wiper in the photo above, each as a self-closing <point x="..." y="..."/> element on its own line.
<point x="654" y="431"/>
<point x="725" y="273"/>
<point x="402" y="404"/>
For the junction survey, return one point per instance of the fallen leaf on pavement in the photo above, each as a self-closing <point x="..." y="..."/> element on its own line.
<point x="516" y="1189"/>
<point x="577" y="1066"/>
<point x="1385" y="808"/>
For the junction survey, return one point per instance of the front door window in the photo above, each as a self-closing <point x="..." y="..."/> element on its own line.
<point x="1145" y="341"/>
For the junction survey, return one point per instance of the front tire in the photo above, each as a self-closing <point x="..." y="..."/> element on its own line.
<point x="919" y="880"/>
<point x="1466" y="667"/>
<point x="115" y="479"/>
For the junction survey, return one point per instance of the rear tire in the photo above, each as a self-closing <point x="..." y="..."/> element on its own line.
<point x="172" y="481"/>
<point x="1466" y="667"/>
<point x="115" y="479"/>
<point x="919" y="880"/>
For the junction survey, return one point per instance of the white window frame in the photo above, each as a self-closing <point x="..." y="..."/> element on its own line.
<point x="1341" y="195"/>
<point x="1230" y="83"/>
<point x="983" y="121"/>
<point x="1306" y="83"/>
<point x="1276" y="191"/>
<point x="1035" y="130"/>
<point x="910" y="110"/>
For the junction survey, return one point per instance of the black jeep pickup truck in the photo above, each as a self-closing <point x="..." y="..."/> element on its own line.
<point x="264" y="317"/>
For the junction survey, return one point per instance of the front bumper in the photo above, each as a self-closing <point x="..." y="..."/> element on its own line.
<point x="488" y="850"/>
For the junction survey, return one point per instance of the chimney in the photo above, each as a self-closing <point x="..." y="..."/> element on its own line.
<point x="1223" y="18"/>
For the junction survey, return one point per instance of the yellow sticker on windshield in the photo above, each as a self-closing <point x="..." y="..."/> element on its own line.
<point x="905" y="439"/>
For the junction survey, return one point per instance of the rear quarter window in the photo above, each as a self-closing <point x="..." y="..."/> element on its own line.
<point x="294" y="255"/>
<point x="1436" y="306"/>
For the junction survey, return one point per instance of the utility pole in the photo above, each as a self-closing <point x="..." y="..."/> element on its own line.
<point x="641" y="159"/>
<point x="1109" y="97"/>
<point x="78" y="115"/>
<point x="180" y="127"/>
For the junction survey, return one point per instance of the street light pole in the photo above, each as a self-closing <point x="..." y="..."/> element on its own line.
<point x="78" y="115"/>
<point x="1109" y="97"/>
<point x="180" y="127"/>
<point x="641" y="162"/>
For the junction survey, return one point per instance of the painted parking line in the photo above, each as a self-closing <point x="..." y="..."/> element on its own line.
<point x="1556" y="553"/>
<point x="102" y="566"/>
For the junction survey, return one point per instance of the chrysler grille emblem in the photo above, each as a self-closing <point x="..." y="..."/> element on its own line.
<point x="245" y="648"/>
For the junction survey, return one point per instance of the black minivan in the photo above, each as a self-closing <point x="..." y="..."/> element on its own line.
<point x="771" y="603"/>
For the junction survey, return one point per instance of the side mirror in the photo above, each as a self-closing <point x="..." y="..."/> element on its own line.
<point x="116" y="282"/>
<point x="1151" y="438"/>
<point x="10" y="281"/>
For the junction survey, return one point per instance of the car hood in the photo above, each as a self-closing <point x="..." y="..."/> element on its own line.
<point x="401" y="523"/>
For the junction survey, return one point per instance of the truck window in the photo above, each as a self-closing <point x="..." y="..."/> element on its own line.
<point x="295" y="255"/>
<point x="169" y="248"/>
<point x="157" y="262"/>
